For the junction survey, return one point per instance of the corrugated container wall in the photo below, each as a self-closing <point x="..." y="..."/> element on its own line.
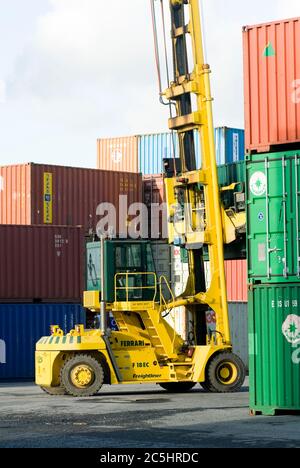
<point x="273" y="223"/>
<point x="154" y="194"/>
<point x="230" y="145"/>
<point x="238" y="321"/>
<point x="58" y="195"/>
<point x="154" y="148"/>
<point x="236" y="279"/>
<point x="272" y="90"/>
<point x="145" y="153"/>
<point x="41" y="264"/>
<point x="15" y="194"/>
<point x="274" y="348"/>
<point x="22" y="325"/>
<point x="118" y="154"/>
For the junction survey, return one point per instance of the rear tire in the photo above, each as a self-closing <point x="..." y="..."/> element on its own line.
<point x="54" y="391"/>
<point x="177" y="387"/>
<point x="82" y="375"/>
<point x="225" y="373"/>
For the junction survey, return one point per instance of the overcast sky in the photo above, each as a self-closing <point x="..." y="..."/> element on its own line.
<point x="75" y="70"/>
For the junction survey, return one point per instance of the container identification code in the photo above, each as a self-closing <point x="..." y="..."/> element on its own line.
<point x="48" y="195"/>
<point x="284" y="304"/>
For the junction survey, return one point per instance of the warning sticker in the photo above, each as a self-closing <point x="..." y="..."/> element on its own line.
<point x="258" y="184"/>
<point x="261" y="216"/>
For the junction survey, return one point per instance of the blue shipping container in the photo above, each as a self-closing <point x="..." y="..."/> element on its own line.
<point x="22" y="325"/>
<point x="152" y="149"/>
<point x="230" y="145"/>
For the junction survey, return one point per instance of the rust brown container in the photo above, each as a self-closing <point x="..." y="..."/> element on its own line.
<point x="154" y="195"/>
<point x="272" y="84"/>
<point x="118" y="154"/>
<point x="41" y="264"/>
<point x="236" y="280"/>
<point x="57" y="195"/>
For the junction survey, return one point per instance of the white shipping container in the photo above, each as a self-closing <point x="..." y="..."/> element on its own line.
<point x="177" y="318"/>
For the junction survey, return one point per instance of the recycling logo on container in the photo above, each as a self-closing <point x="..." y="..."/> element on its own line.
<point x="291" y="329"/>
<point x="258" y="184"/>
<point x="269" y="50"/>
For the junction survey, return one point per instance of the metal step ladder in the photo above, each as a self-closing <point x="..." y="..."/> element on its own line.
<point x="121" y="324"/>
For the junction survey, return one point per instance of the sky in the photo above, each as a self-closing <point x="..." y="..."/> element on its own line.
<point x="72" y="71"/>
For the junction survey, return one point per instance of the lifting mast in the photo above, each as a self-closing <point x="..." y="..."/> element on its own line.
<point x="202" y="216"/>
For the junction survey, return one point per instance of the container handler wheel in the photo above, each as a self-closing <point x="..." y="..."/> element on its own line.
<point x="55" y="391"/>
<point x="82" y="375"/>
<point x="225" y="373"/>
<point x="205" y="385"/>
<point x="177" y="387"/>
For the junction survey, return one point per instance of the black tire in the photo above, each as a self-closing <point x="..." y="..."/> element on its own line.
<point x="54" y="391"/>
<point x="82" y="363"/>
<point x="207" y="387"/>
<point x="177" y="387"/>
<point x="233" y="377"/>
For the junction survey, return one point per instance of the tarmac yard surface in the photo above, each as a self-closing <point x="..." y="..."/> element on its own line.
<point x="138" y="416"/>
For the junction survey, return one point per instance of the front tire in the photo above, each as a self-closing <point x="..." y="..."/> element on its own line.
<point x="82" y="376"/>
<point x="225" y="373"/>
<point x="177" y="387"/>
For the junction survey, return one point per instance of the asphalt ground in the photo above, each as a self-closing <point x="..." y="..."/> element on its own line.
<point x="139" y="416"/>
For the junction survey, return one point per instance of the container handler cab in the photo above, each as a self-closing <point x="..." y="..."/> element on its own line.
<point x="145" y="348"/>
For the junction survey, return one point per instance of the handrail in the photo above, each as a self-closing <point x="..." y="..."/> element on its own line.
<point x="162" y="301"/>
<point x="128" y="288"/>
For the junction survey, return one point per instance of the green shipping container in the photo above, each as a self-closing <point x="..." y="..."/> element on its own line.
<point x="274" y="348"/>
<point x="273" y="217"/>
<point x="233" y="172"/>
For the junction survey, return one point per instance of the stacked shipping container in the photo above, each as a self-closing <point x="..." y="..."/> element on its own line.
<point x="41" y="264"/>
<point x="22" y="325"/>
<point x="55" y="195"/>
<point x="272" y="108"/>
<point x="42" y="253"/>
<point x="145" y="153"/>
<point x="41" y="283"/>
<point x="271" y="77"/>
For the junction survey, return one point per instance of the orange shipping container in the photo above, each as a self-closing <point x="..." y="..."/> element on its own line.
<point x="56" y="195"/>
<point x="118" y="154"/>
<point x="272" y="84"/>
<point x="236" y="279"/>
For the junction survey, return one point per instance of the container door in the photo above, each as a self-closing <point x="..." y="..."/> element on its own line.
<point x="273" y="220"/>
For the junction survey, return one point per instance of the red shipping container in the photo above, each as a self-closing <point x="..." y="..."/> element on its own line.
<point x="154" y="194"/>
<point x="236" y="280"/>
<point x="56" y="195"/>
<point x="41" y="264"/>
<point x="272" y="84"/>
